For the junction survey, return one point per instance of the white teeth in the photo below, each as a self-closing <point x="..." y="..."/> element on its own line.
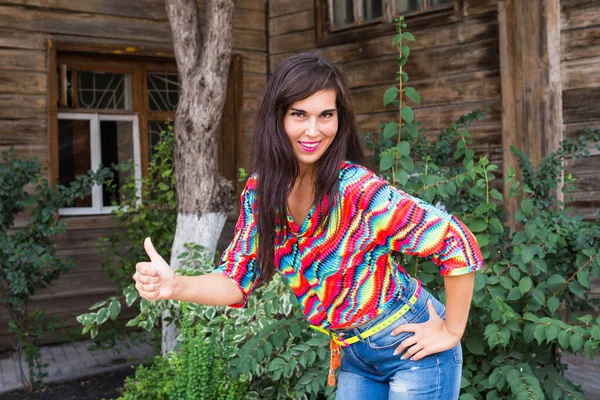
<point x="309" y="145"/>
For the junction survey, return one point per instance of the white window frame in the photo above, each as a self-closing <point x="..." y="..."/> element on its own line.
<point x="95" y="146"/>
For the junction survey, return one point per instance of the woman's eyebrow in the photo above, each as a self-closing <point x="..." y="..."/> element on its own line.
<point x="302" y="111"/>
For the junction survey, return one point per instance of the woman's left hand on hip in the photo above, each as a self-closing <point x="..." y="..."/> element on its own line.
<point x="430" y="337"/>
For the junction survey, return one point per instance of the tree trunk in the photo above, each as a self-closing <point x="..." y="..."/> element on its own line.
<point x="204" y="196"/>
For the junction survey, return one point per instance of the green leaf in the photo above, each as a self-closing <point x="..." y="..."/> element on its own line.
<point x="407" y="163"/>
<point x="526" y="254"/>
<point x="102" y="316"/>
<point x="412" y="129"/>
<point x="525" y="284"/>
<point x="397" y="39"/>
<point x="526" y="206"/>
<point x="552" y="332"/>
<point x="563" y="339"/>
<point x="407" y="114"/>
<point x="386" y="163"/>
<point x="576" y="341"/>
<point x="404" y="148"/>
<point x="402" y="177"/>
<point x="478" y="225"/>
<point x="413" y="95"/>
<point x="530" y="229"/>
<point x="451" y="188"/>
<point x="538" y="295"/>
<point x="131" y="297"/>
<point x="390" y="130"/>
<point x="98" y="304"/>
<point x="114" y="308"/>
<point x="390" y="95"/>
<point x="496" y="226"/>
<point x="408" y="36"/>
<point x="590" y="348"/>
<point x="496" y="194"/>
<point x="553" y="304"/>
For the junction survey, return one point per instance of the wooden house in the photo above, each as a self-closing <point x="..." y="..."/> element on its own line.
<point x="70" y="70"/>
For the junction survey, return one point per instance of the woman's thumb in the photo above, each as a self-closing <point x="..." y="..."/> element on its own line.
<point x="151" y="251"/>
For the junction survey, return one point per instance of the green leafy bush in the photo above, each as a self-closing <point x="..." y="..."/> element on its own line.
<point x="196" y="370"/>
<point x="28" y="253"/>
<point x="515" y="334"/>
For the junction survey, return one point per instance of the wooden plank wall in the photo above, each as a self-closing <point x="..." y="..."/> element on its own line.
<point x="132" y="26"/>
<point x="455" y="68"/>
<point x="580" y="65"/>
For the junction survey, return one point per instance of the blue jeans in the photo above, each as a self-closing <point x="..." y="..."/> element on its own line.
<point x="370" y="370"/>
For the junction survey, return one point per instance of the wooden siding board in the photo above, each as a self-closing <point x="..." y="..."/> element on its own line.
<point x="249" y="40"/>
<point x="581" y="105"/>
<point x="22" y="82"/>
<point x="289" y="23"/>
<point x="282" y="7"/>
<point x="22" y="106"/>
<point x="23" y="132"/>
<point x="254" y="82"/>
<point x="19" y="59"/>
<point x="580" y="43"/>
<point x="579" y="14"/>
<point x="254" y="62"/>
<point x="580" y="74"/>
<point x="144" y="9"/>
<point x="249" y="19"/>
<point x="10" y="38"/>
<point x="292" y="42"/>
<point x="474" y="7"/>
<point x="84" y="24"/>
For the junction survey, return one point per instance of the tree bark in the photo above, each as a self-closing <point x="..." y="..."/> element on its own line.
<point x="204" y="196"/>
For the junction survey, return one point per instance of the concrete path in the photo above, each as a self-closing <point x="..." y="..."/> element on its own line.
<point x="74" y="360"/>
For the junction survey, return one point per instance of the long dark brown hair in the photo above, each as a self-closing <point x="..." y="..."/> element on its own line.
<point x="296" y="78"/>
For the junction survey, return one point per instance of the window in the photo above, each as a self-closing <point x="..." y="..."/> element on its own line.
<point x="340" y="21"/>
<point x="90" y="140"/>
<point x="108" y="112"/>
<point x="105" y="108"/>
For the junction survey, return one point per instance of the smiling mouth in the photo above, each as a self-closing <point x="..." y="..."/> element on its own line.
<point x="309" y="146"/>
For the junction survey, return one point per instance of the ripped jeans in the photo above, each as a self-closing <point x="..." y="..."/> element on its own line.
<point x="370" y="370"/>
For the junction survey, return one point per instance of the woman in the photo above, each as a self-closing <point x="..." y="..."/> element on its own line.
<point x="329" y="224"/>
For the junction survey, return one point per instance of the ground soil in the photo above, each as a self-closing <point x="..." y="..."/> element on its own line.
<point x="97" y="387"/>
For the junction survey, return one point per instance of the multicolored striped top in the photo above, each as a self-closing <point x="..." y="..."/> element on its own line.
<point x="341" y="269"/>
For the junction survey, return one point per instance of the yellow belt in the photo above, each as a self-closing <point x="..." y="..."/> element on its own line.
<point x="337" y="341"/>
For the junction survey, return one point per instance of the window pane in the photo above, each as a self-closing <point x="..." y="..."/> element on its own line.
<point x="116" y="146"/>
<point x="163" y="91"/>
<point x="343" y="12"/>
<point x="434" y="3"/>
<point x="74" y="154"/>
<point x="373" y="9"/>
<point x="102" y="90"/>
<point x="408" y="5"/>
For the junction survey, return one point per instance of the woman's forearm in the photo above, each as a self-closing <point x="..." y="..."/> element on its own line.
<point x="212" y="289"/>
<point x="459" y="293"/>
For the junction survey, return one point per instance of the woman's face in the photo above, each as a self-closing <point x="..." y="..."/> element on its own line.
<point x="311" y="125"/>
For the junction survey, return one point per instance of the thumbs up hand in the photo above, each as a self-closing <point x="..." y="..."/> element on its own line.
<point x="154" y="280"/>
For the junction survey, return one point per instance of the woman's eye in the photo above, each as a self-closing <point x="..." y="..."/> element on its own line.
<point x="327" y="115"/>
<point x="297" y="114"/>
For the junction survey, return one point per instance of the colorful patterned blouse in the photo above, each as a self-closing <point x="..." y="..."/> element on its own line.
<point x="342" y="271"/>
